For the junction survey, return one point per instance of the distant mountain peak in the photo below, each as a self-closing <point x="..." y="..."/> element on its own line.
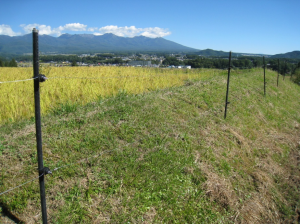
<point x="66" y="34"/>
<point x="86" y="35"/>
<point x="109" y="34"/>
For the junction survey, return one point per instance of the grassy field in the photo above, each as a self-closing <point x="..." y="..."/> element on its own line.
<point x="80" y="85"/>
<point x="164" y="156"/>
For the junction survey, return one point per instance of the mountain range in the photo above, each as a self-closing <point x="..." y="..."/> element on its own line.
<point x="214" y="53"/>
<point x="89" y="43"/>
<point x="83" y="43"/>
<point x="293" y="54"/>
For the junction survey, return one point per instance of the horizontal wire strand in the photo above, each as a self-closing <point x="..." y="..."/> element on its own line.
<point x="24" y="80"/>
<point x="83" y="160"/>
<point x="115" y="77"/>
<point x="57" y="168"/>
<point x="112" y="77"/>
<point x="4" y="192"/>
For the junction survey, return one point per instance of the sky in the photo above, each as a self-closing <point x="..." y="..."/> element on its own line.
<point x="243" y="26"/>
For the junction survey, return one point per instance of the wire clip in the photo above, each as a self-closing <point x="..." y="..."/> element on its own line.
<point x="45" y="171"/>
<point x="42" y="78"/>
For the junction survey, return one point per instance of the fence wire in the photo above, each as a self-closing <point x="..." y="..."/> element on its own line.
<point x="117" y="77"/>
<point x="109" y="77"/>
<point x="4" y="192"/>
<point x="82" y="160"/>
<point x="94" y="156"/>
<point x="24" y="80"/>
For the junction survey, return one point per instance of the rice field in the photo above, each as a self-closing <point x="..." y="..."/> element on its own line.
<point x="81" y="85"/>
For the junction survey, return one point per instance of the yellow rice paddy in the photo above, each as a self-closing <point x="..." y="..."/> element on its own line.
<point x="82" y="85"/>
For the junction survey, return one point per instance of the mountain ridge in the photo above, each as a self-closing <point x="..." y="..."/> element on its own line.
<point x="75" y="43"/>
<point x="89" y="43"/>
<point x="292" y="54"/>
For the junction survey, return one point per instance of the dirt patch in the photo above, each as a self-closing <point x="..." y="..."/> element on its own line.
<point x="24" y="132"/>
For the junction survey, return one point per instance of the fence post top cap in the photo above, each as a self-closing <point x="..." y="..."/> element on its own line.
<point x="35" y="30"/>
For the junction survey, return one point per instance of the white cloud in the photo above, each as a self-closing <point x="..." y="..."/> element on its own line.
<point x="92" y="29"/>
<point x="126" y="31"/>
<point x="43" y="29"/>
<point x="73" y="27"/>
<point x="132" y="31"/>
<point x="6" y="30"/>
<point x="155" y="32"/>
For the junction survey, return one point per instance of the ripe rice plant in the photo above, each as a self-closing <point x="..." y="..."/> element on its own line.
<point x="81" y="85"/>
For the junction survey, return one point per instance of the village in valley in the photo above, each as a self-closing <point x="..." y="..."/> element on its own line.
<point x="109" y="59"/>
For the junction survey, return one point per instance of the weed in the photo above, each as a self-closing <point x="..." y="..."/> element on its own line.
<point x="64" y="108"/>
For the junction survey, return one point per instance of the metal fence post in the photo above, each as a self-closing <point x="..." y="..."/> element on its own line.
<point x="278" y="74"/>
<point x="284" y="70"/>
<point x="37" y="80"/>
<point x="228" y="79"/>
<point x="264" y="76"/>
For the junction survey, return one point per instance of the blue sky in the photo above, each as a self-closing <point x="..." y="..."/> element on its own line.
<point x="256" y="26"/>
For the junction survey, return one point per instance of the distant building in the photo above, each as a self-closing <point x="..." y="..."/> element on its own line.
<point x="139" y="63"/>
<point x="181" y="66"/>
<point x="85" y="55"/>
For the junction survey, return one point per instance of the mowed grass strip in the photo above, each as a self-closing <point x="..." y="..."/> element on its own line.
<point x="166" y="156"/>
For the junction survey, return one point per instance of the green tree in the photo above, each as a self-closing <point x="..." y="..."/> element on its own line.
<point x="257" y="63"/>
<point x="156" y="62"/>
<point x="74" y="63"/>
<point x="297" y="76"/>
<point x="1" y="64"/>
<point x="248" y="63"/>
<point x="13" y="63"/>
<point x="171" y="61"/>
<point x="118" y="61"/>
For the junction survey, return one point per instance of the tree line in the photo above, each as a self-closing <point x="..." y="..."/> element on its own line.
<point x="11" y="63"/>
<point x="285" y="65"/>
<point x="296" y="74"/>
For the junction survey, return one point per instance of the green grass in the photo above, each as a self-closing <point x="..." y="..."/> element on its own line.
<point x="167" y="156"/>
